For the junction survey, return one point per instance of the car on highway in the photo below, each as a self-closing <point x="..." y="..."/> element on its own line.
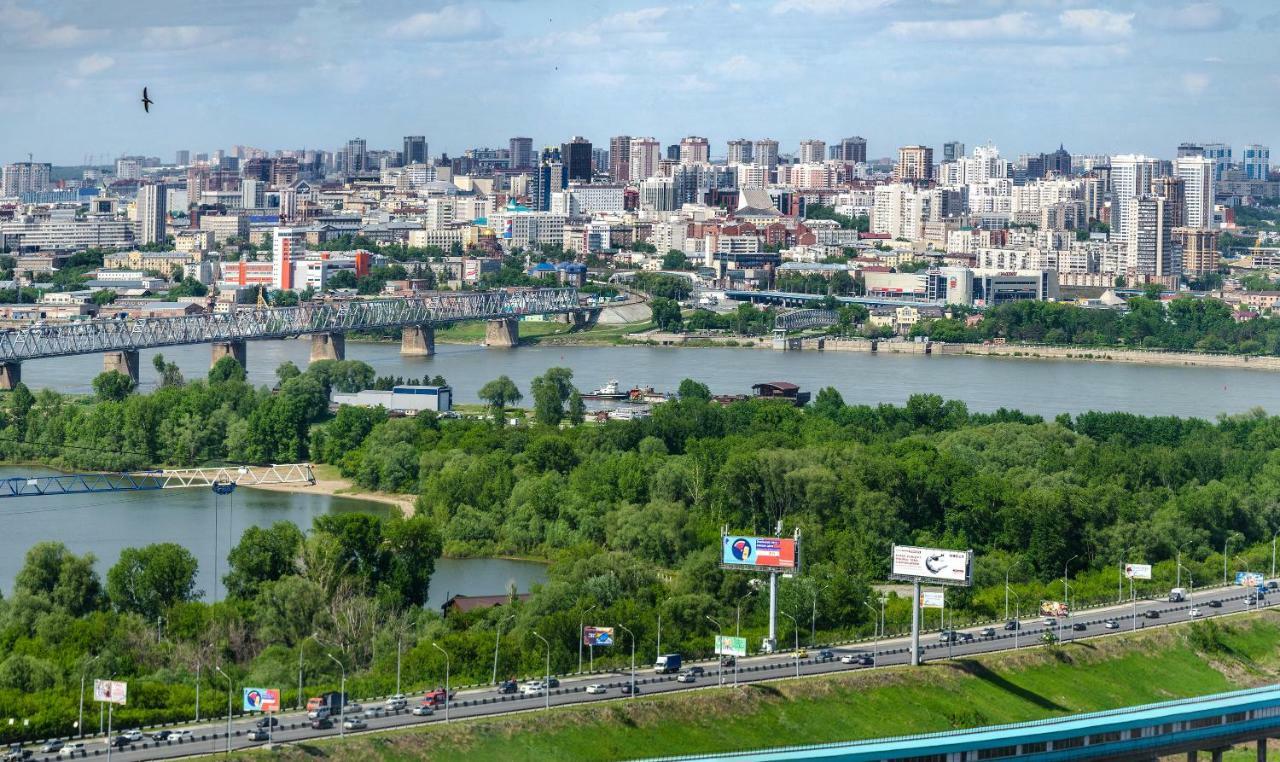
<point x="858" y="660"/>
<point x="374" y="712"/>
<point x="508" y="686"/>
<point x="987" y="632"/>
<point x="134" y="735"/>
<point x="436" y="697"/>
<point x="321" y="723"/>
<point x="728" y="661"/>
<point x="395" y="703"/>
<point x="267" y="722"/>
<point x="686" y="676"/>
<point x="696" y="670"/>
<point x="16" y="753"/>
<point x="532" y="688"/>
<point x="1194" y="612"/>
<point x="72" y="750"/>
<point x="423" y="710"/>
<point x="51" y="747"/>
<point x="596" y="689"/>
<point x="259" y="734"/>
<point x="1151" y="614"/>
<point x="1079" y="626"/>
<point x="552" y="682"/>
<point x="1050" y="621"/>
<point x="118" y="742"/>
<point x="180" y="736"/>
<point x="826" y="654"/>
<point x="352" y="708"/>
<point x="802" y="654"/>
<point x="628" y="688"/>
<point x="1111" y="624"/>
<point x="1252" y="599"/>
<point x="160" y="735"/>
<point x="354" y="723"/>
<point x="1012" y="625"/>
<point x="1215" y="604"/>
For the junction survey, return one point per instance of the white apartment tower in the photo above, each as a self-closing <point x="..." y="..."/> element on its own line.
<point x="766" y="153"/>
<point x="646" y="153"/>
<point x="694" y="150"/>
<point x="1131" y="176"/>
<point x="813" y="151"/>
<point x="1196" y="173"/>
<point x="152" y="213"/>
<point x="739" y="151"/>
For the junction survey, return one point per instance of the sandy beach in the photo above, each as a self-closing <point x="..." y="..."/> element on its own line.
<point x="328" y="484"/>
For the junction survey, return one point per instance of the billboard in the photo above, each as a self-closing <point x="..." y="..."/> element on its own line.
<point x="1249" y="579"/>
<point x="765" y="553"/>
<point x="933" y="600"/>
<point x="261" y="700"/>
<point x="1053" y="608"/>
<point x="597" y="636"/>
<point x="110" y="691"/>
<point x="727" y="645"/>
<point x="1137" y="571"/>
<point x="932" y="564"/>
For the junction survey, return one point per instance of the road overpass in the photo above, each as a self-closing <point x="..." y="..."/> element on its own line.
<point x="327" y="322"/>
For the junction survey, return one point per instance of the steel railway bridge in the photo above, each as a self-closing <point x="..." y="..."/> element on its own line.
<point x="326" y="322"/>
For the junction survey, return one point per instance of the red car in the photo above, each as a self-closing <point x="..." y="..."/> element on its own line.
<point x="436" y="697"/>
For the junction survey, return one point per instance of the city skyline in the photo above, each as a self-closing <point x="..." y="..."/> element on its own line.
<point x="1099" y="77"/>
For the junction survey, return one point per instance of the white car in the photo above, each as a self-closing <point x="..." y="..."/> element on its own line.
<point x="72" y="750"/>
<point x="1194" y="612"/>
<point x="133" y="736"/>
<point x="374" y="712"/>
<point x="532" y="688"/>
<point x="595" y="689"/>
<point x="354" y="723"/>
<point x="396" y="702"/>
<point x="180" y="735"/>
<point x="422" y="710"/>
<point x="848" y="659"/>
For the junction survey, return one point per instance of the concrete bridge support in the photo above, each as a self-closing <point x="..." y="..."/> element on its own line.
<point x="1262" y="750"/>
<point x="125" y="362"/>
<point x="504" y="332"/>
<point x="418" y="340"/>
<point x="10" y="375"/>
<point x="328" y="346"/>
<point x="234" y="349"/>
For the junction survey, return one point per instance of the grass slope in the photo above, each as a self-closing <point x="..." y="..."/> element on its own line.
<point x="1101" y="674"/>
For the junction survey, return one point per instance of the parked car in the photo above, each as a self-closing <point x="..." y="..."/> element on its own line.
<point x="321" y="723"/>
<point x="826" y="654"/>
<point x="423" y="710"/>
<point x="1012" y="625"/>
<point x="508" y="686"/>
<point x="686" y="677"/>
<point x="51" y="747"/>
<point x="1151" y="614"/>
<point x="259" y="734"/>
<point x="596" y="689"/>
<point x="354" y="723"/>
<point x="987" y="632"/>
<point x="1194" y="612"/>
<point x="1111" y="624"/>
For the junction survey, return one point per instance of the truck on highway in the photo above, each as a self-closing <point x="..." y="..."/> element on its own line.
<point x="325" y="705"/>
<point x="667" y="663"/>
<point x="1177" y="595"/>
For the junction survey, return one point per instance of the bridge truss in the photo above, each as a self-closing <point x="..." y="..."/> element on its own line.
<point x="76" y="484"/>
<point x="93" y="336"/>
<point x="800" y="319"/>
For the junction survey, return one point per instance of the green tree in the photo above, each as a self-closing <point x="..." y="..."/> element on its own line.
<point x="55" y="574"/>
<point x="577" y="411"/>
<point x="694" y="390"/>
<point x="550" y="391"/>
<point x="227" y="368"/>
<point x="149" y="580"/>
<point x="498" y="394"/>
<point x="261" y="556"/>
<point x="113" y="386"/>
<point x="170" y="374"/>
<point x="666" y="314"/>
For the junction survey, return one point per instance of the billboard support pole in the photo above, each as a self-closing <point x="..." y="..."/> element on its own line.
<point x="915" y="624"/>
<point x="772" y="645"/>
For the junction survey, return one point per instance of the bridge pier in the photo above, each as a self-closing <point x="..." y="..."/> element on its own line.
<point x="124" y="361"/>
<point x="235" y="349"/>
<point x="418" y="340"/>
<point x="1193" y="756"/>
<point x="10" y="375"/>
<point x="328" y="346"/>
<point x="504" y="332"/>
<point x="1262" y="750"/>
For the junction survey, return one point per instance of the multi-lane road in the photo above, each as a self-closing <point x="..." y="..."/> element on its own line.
<point x="212" y="737"/>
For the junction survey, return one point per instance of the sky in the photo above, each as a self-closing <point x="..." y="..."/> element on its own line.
<point x="1099" y="76"/>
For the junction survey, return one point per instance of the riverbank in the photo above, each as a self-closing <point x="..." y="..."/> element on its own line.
<point x="330" y="483"/>
<point x="1100" y="674"/>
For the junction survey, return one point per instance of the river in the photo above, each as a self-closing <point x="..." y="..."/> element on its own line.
<point x="1045" y="387"/>
<point x="106" y="523"/>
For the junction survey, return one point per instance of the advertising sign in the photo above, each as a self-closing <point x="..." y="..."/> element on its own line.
<point x="727" y="645"/>
<point x="597" y="636"/>
<point x="1249" y="579"/>
<point x="1053" y="608"/>
<point x="261" y="700"/>
<point x="1137" y="571"/>
<point x="933" y="600"/>
<point x="932" y="564"/>
<point x="766" y="553"/>
<point x="110" y="691"/>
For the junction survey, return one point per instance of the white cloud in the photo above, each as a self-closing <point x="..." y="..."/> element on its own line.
<point x="19" y="26"/>
<point x="181" y="36"/>
<point x="1096" y="23"/>
<point x="1005" y="26"/>
<point x="1195" y="83"/>
<point x="452" y="22"/>
<point x="94" y="64"/>
<point x="1197" y="17"/>
<point x="829" y="7"/>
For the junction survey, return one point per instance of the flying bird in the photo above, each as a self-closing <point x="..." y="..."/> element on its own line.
<point x="146" y="101"/>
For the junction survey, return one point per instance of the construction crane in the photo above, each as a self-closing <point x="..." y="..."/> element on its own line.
<point x="131" y="481"/>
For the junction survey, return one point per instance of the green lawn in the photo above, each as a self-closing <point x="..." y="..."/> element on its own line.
<point x="1100" y="674"/>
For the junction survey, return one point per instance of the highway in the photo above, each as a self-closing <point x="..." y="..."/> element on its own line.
<point x="211" y="737"/>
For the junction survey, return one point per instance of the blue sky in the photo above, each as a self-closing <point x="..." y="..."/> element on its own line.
<point x="1098" y="75"/>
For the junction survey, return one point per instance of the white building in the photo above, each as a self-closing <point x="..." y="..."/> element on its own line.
<point x="1196" y="173"/>
<point x="1131" y="176"/>
<point x="899" y="210"/>
<point x="646" y="153"/>
<point x="409" y="400"/>
<point x="152" y="214"/>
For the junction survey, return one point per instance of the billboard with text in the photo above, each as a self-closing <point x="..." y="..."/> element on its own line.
<point x="597" y="636"/>
<point x="1249" y="579"/>
<point x="110" y="691"/>
<point x="933" y="599"/>
<point x="1054" y="609"/>
<point x="763" y="553"/>
<point x="932" y="564"/>
<point x="727" y="645"/>
<point x="1137" y="571"/>
<point x="261" y="700"/>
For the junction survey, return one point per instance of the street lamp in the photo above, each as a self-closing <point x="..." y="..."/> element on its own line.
<point x="446" y="679"/>
<point x="546" y="683"/>
<point x="301" y="648"/>
<point x="497" y="636"/>
<point x="720" y="662"/>
<point x="83" y="672"/>
<point x="795" y="628"/>
<point x="1066" y="597"/>
<point x="659" y="648"/>
<point x="1012" y="566"/>
<point x="1225" y="543"/>
<point x="229" y="688"/>
<point x="342" y="705"/>
<point x="1017" y="619"/>
<point x="1178" y="560"/>
<point x="633" y="658"/>
<point x="582" y="620"/>
<point x="737" y="628"/>
<point x="875" y="631"/>
<point x="1120" y="579"/>
<point x="813" y="616"/>
<point x="1273" y="553"/>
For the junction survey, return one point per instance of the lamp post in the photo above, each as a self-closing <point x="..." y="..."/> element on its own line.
<point x="546" y="683"/>
<point x="1120" y="579"/>
<point x="1225" y="543"/>
<point x="446" y="679"/>
<point x="229" y="688"/>
<point x="796" y="628"/>
<point x="497" y="636"/>
<point x="342" y="706"/>
<point x="302" y="647"/>
<point x="633" y="658"/>
<point x="875" y="631"/>
<point x="1017" y="619"/>
<point x="813" y="616"/>
<point x="737" y="628"/>
<point x="1012" y="566"/>
<point x="1273" y="553"/>
<point x="719" y="664"/>
<point x="582" y="621"/>
<point x="659" y="647"/>
<point x="1066" y="597"/>
<point x="220" y="487"/>
<point x="83" y="672"/>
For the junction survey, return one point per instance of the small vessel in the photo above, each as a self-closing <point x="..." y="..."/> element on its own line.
<point x="646" y="395"/>
<point x="610" y="391"/>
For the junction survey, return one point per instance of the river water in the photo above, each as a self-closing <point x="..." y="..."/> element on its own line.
<point x="106" y="523"/>
<point x="1045" y="387"/>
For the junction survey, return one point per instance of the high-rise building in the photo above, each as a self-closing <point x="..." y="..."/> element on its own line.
<point x="1058" y="162"/>
<point x="1255" y="161"/>
<point x="766" y="152"/>
<point x="1190" y="149"/>
<point x="854" y="150"/>
<point x="915" y="163"/>
<point x="600" y="160"/>
<point x="952" y="151"/>
<point x="25" y="177"/>
<point x="152" y="214"/>
<point x="620" y="158"/>
<point x="1199" y="250"/>
<point x="415" y="150"/>
<point x="1149" y="237"/>
<point x="253" y="193"/>
<point x="673" y="152"/>
<point x="1174" y="192"/>
<point x="1196" y="173"/>
<point x="576" y="156"/>
<point x="1220" y="153"/>
<point x="694" y="150"/>
<point x="552" y="178"/>
<point x="355" y="159"/>
<point x="645" y="153"/>
<point x="128" y="168"/>
<point x="1131" y="176"/>
<point x="182" y="158"/>
<point x="521" y="153"/>
<point x="812" y="151"/>
<point x="739" y="151"/>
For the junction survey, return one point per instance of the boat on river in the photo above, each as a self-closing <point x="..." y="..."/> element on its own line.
<point x="610" y="391"/>
<point x="647" y="395"/>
